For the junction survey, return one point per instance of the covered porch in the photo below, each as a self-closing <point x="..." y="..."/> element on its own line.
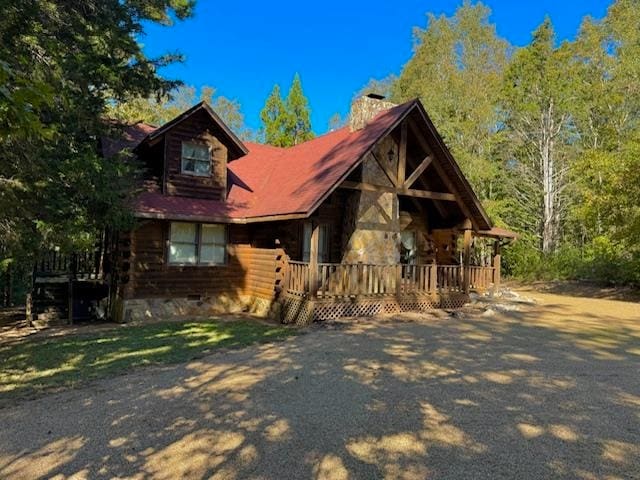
<point x="313" y="290"/>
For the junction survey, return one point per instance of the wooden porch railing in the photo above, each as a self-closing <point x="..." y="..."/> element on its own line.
<point x="347" y="280"/>
<point x="481" y="278"/>
<point x="297" y="278"/>
<point x="344" y="280"/>
<point x="83" y="264"/>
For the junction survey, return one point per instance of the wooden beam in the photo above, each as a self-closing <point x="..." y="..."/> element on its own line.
<point x="496" y="265"/>
<point x="402" y="155"/>
<point x="441" y="173"/>
<point x="466" y="261"/>
<point x="418" y="171"/>
<point x="369" y="187"/>
<point x="390" y="175"/>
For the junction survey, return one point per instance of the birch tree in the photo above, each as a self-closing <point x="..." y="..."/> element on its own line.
<point x="536" y="96"/>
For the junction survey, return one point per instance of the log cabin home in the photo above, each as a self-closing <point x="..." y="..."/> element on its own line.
<point x="375" y="217"/>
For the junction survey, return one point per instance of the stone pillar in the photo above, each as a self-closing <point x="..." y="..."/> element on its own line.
<point x="375" y="238"/>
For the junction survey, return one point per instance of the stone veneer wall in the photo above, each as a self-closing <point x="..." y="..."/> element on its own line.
<point x="374" y="234"/>
<point x="149" y="309"/>
<point x="364" y="109"/>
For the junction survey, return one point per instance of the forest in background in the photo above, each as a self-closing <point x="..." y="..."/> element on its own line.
<point x="548" y="134"/>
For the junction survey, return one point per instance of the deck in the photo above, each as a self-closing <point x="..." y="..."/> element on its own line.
<point x="333" y="290"/>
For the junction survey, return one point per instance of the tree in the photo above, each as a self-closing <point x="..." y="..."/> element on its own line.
<point x="159" y="111"/>
<point x="298" y="123"/>
<point x="382" y="86"/>
<point x="456" y="70"/>
<point x="286" y="122"/>
<point x="274" y="121"/>
<point x="61" y="64"/>
<point x="537" y="95"/>
<point x="335" y="122"/>
<point x="607" y="58"/>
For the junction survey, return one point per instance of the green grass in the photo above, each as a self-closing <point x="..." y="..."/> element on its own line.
<point x="40" y="364"/>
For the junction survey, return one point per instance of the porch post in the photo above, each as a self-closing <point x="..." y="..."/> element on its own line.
<point x="466" y="261"/>
<point x="313" y="260"/>
<point x="496" y="265"/>
<point x="433" y="277"/>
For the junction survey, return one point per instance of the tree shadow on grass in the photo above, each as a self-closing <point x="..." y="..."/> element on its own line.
<point x="28" y="367"/>
<point x="522" y="394"/>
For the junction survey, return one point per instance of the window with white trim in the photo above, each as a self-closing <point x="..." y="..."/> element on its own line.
<point x="197" y="244"/>
<point x="196" y="159"/>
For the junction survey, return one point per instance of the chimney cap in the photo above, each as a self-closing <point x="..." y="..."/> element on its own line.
<point x="375" y="96"/>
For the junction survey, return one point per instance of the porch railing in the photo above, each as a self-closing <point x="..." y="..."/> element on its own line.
<point x="77" y="264"/>
<point x="361" y="279"/>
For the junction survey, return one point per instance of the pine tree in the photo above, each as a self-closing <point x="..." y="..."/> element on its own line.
<point x="286" y="122"/>
<point x="274" y="119"/>
<point x="298" y="123"/>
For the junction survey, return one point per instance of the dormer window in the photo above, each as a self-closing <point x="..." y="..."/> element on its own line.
<point x="196" y="159"/>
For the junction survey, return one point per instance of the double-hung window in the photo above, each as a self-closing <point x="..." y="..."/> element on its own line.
<point x="197" y="244"/>
<point x="196" y="159"/>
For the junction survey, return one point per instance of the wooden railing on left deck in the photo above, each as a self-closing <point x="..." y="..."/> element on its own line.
<point x="83" y="263"/>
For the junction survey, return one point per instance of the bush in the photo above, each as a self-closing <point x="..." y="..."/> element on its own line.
<point x="602" y="261"/>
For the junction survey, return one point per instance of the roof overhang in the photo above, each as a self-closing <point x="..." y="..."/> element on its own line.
<point x="498" y="233"/>
<point x="235" y="142"/>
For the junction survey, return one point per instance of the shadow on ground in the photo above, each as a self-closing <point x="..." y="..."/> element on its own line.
<point x="548" y="391"/>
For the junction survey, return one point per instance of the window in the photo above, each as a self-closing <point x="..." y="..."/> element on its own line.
<point x="183" y="246"/>
<point x="323" y="243"/>
<point x="212" y="244"/>
<point x="193" y="243"/>
<point x="196" y="159"/>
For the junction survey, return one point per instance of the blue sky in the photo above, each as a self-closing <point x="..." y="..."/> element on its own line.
<point x="243" y="48"/>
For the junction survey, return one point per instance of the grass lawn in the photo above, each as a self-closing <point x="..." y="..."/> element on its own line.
<point x="34" y="365"/>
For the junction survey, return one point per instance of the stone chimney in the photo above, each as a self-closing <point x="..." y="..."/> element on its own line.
<point x="365" y="108"/>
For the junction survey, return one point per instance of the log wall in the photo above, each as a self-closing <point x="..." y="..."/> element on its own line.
<point x="248" y="271"/>
<point x="198" y="128"/>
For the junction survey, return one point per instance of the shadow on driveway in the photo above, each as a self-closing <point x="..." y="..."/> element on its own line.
<point x="552" y="390"/>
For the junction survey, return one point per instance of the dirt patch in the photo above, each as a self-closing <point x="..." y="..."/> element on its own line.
<point x="581" y="289"/>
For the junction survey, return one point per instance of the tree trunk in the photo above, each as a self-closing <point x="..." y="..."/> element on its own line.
<point x="550" y="187"/>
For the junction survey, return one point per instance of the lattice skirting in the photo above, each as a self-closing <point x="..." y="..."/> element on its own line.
<point x="303" y="311"/>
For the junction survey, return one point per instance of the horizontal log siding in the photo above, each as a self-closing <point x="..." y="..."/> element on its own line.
<point x="249" y="271"/>
<point x="199" y="129"/>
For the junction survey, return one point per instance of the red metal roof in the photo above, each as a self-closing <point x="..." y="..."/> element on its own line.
<point x="271" y="181"/>
<point x="130" y="137"/>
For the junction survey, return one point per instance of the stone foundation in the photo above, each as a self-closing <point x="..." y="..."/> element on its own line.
<point x="153" y="309"/>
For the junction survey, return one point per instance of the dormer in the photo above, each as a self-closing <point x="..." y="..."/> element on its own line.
<point x="194" y="149"/>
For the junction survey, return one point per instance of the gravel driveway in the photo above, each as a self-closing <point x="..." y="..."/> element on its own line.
<point x="547" y="391"/>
